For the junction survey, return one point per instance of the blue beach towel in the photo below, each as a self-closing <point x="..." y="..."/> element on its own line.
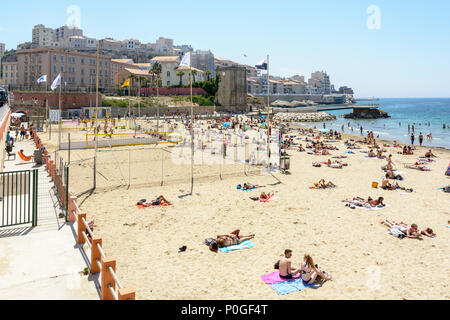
<point x="286" y="287"/>
<point x="244" y="245"/>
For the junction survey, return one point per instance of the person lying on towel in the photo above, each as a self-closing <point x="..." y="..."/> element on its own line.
<point x="24" y="157"/>
<point x="322" y="185"/>
<point x="232" y="239"/>
<point x="160" y="201"/>
<point x="265" y="196"/>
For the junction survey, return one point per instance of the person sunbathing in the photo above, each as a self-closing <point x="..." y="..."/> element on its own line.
<point x="159" y="201"/>
<point x="322" y="185"/>
<point x="391" y="175"/>
<point x="428" y="232"/>
<point x="375" y="203"/>
<point x="310" y="271"/>
<point x="336" y="164"/>
<point x="430" y="154"/>
<point x="371" y="154"/>
<point x="301" y="149"/>
<point x="409" y="231"/>
<point x="234" y="238"/>
<point x="417" y="166"/>
<point x="386" y="185"/>
<point x="325" y="152"/>
<point x="265" y="196"/>
<point x="405" y="151"/>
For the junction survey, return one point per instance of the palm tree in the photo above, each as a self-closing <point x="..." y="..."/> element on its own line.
<point x="194" y="72"/>
<point x="156" y="70"/>
<point x="208" y="73"/>
<point x="180" y="74"/>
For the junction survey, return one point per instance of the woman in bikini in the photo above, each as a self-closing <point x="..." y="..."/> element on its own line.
<point x="232" y="239"/>
<point x="265" y="196"/>
<point x="310" y="271"/>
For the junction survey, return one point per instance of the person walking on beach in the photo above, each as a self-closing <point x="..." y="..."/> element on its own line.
<point x="420" y="139"/>
<point x="412" y="138"/>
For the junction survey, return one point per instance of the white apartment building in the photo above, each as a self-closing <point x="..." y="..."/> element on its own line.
<point x="78" y="43"/>
<point x="131" y="44"/>
<point x="294" y="87"/>
<point x="111" y="44"/>
<point x="43" y="37"/>
<point x="66" y="32"/>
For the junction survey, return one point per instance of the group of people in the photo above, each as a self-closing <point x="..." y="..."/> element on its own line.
<point x="309" y="271"/>
<point x="409" y="231"/>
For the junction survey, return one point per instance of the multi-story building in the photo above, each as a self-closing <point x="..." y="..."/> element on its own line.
<point x="294" y="87"/>
<point x="2" y="50"/>
<point x="253" y="86"/>
<point x="66" y="32"/>
<point x="78" y="69"/>
<point x="111" y="44"/>
<point x="203" y="60"/>
<point x="320" y="80"/>
<point x="78" y="43"/>
<point x="131" y="44"/>
<point x="9" y="72"/>
<point x="182" y="50"/>
<point x="345" y="90"/>
<point x="224" y="63"/>
<point x="169" y="65"/>
<point x="43" y="37"/>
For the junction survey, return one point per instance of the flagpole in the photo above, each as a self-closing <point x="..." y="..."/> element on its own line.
<point x="268" y="109"/>
<point x="60" y="116"/>
<point x="96" y="123"/>
<point x="192" y="128"/>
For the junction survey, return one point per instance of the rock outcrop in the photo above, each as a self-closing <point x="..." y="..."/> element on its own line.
<point x="304" y="117"/>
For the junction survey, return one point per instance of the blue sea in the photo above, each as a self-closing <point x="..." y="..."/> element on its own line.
<point x="403" y="111"/>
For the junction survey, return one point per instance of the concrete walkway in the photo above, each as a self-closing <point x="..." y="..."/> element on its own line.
<point x="43" y="262"/>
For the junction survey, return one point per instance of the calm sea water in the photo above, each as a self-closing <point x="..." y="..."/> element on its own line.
<point x="403" y="111"/>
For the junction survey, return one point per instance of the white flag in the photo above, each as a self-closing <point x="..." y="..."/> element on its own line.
<point x="42" y="79"/>
<point x="186" y="61"/>
<point x="56" y="82"/>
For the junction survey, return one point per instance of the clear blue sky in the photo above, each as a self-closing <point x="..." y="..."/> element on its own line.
<point x="407" y="57"/>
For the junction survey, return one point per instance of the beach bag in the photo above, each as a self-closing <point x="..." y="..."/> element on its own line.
<point x="277" y="265"/>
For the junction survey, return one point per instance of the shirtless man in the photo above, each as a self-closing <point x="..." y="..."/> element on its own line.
<point x="386" y="185"/>
<point x="430" y="154"/>
<point x="371" y="154"/>
<point x="286" y="269"/>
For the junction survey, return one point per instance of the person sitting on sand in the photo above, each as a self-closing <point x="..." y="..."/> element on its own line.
<point x="371" y="154"/>
<point x="405" y="151"/>
<point x="285" y="267"/>
<point x="325" y="152"/>
<point x="380" y="154"/>
<point x="310" y="271"/>
<point x="300" y="148"/>
<point x="232" y="239"/>
<point x="322" y="185"/>
<point x="430" y="154"/>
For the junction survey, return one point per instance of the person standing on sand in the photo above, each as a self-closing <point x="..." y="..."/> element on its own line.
<point x="286" y="270"/>
<point x="412" y="138"/>
<point x="420" y="139"/>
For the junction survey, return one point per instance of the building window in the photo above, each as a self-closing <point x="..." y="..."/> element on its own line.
<point x="168" y="73"/>
<point x="54" y="57"/>
<point x="62" y="58"/>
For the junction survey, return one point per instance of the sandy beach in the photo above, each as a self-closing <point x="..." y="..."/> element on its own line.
<point x="351" y="245"/>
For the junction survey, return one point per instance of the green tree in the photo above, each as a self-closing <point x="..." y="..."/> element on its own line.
<point x="208" y="74"/>
<point x="194" y="73"/>
<point x="180" y="74"/>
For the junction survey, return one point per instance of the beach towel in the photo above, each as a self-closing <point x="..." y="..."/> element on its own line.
<point x="366" y="206"/>
<point x="243" y="245"/>
<point x="23" y="157"/>
<point x="274" y="277"/>
<point x="272" y="198"/>
<point x="395" y="231"/>
<point x="143" y="206"/>
<point x="287" y="287"/>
